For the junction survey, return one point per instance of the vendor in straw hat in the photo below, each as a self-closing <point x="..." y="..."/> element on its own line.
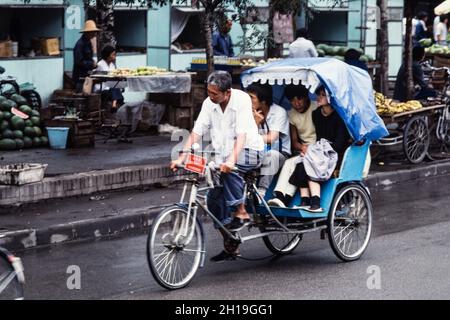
<point x="83" y="54"/>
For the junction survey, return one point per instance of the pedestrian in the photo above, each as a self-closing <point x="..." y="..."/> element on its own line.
<point x="83" y="54"/>
<point x="227" y="117"/>
<point x="302" y="47"/>
<point x="352" y="58"/>
<point x="421" y="28"/>
<point x="442" y="31"/>
<point x="425" y="90"/>
<point x="221" y="40"/>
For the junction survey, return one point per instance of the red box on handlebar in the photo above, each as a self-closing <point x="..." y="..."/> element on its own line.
<point x="195" y="164"/>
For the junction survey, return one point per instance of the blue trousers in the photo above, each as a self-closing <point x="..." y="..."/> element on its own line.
<point x="223" y="199"/>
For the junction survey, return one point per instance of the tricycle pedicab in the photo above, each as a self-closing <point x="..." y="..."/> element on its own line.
<point x="176" y="242"/>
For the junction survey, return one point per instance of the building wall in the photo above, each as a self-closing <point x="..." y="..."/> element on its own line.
<point x="45" y="73"/>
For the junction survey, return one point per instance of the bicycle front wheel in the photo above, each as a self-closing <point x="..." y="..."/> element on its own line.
<point x="10" y="286"/>
<point x="174" y="252"/>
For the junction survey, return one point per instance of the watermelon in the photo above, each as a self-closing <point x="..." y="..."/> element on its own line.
<point x="18" y="99"/>
<point x="4" y="125"/>
<point x="6" y="105"/>
<point x="7" y="134"/>
<point x="29" y="123"/>
<point x="1" y="116"/>
<point x="36" y="121"/>
<point x="321" y="52"/>
<point x="36" y="142"/>
<point x="19" y="143"/>
<point x="7" y="115"/>
<point x="339" y="58"/>
<point x="35" y="113"/>
<point x="2" y="98"/>
<point x="44" y="141"/>
<point x="18" y="134"/>
<point x="17" y="123"/>
<point x="19" y="113"/>
<point x="28" y="142"/>
<point x="38" y="131"/>
<point x="7" y="144"/>
<point x="364" y="58"/>
<point x="26" y="109"/>
<point x="341" y="51"/>
<point x="29" y="132"/>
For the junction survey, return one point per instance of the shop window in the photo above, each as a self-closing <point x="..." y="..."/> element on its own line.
<point x="187" y="31"/>
<point x="130" y="29"/>
<point x="21" y="26"/>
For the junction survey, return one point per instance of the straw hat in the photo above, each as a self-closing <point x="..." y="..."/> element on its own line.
<point x="90" y="26"/>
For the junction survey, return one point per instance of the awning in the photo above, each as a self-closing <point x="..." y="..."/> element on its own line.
<point x="443" y="8"/>
<point x="187" y="9"/>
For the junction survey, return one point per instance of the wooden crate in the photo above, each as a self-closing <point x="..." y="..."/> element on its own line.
<point x="81" y="132"/>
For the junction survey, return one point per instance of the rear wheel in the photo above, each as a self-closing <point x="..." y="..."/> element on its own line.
<point x="350" y="222"/>
<point x="10" y="287"/>
<point x="172" y="257"/>
<point x="416" y="139"/>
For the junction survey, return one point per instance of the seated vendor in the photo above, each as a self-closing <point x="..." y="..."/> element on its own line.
<point x="425" y="90"/>
<point x="107" y="64"/>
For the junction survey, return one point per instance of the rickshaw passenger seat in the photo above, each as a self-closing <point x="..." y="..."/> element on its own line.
<point x="353" y="162"/>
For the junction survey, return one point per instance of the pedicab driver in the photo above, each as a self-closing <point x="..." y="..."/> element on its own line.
<point x="227" y="116"/>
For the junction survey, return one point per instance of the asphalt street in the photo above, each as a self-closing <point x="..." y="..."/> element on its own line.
<point x="409" y="256"/>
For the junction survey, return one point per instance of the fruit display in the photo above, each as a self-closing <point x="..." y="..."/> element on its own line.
<point x="437" y="49"/>
<point x="20" y="125"/>
<point x="141" y="71"/>
<point x="256" y="63"/>
<point x="386" y="107"/>
<point x="337" y="52"/>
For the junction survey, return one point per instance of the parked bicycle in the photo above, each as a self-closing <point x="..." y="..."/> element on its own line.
<point x="9" y="86"/>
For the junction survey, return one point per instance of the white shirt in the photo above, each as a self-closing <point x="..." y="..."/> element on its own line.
<point x="103" y="66"/>
<point x="225" y="126"/>
<point x="302" y="48"/>
<point x="277" y="120"/>
<point x="436" y="21"/>
<point x="441" y="30"/>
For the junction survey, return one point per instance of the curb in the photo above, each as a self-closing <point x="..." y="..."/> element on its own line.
<point x="89" y="229"/>
<point x="381" y="179"/>
<point x="87" y="183"/>
<point x="140" y="219"/>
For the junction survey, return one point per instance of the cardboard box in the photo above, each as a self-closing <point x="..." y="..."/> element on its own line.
<point x="50" y="46"/>
<point x="6" y="49"/>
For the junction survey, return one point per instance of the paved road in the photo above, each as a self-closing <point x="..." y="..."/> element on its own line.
<point x="410" y="249"/>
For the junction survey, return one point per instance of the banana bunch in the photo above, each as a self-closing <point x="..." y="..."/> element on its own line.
<point x="386" y="106"/>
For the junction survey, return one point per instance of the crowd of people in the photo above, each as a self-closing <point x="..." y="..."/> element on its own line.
<point x="249" y="130"/>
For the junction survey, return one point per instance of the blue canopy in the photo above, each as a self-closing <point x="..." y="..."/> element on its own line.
<point x="349" y="89"/>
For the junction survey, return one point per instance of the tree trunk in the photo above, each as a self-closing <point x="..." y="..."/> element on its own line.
<point x="207" y="29"/>
<point x="383" y="49"/>
<point x="105" y="22"/>
<point x="409" y="9"/>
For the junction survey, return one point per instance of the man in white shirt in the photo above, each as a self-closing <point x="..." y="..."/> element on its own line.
<point x="302" y="47"/>
<point x="273" y="124"/>
<point x="227" y="115"/>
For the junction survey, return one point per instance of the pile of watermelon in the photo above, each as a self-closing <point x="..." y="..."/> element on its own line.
<point x="339" y="52"/>
<point x="20" y="125"/>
